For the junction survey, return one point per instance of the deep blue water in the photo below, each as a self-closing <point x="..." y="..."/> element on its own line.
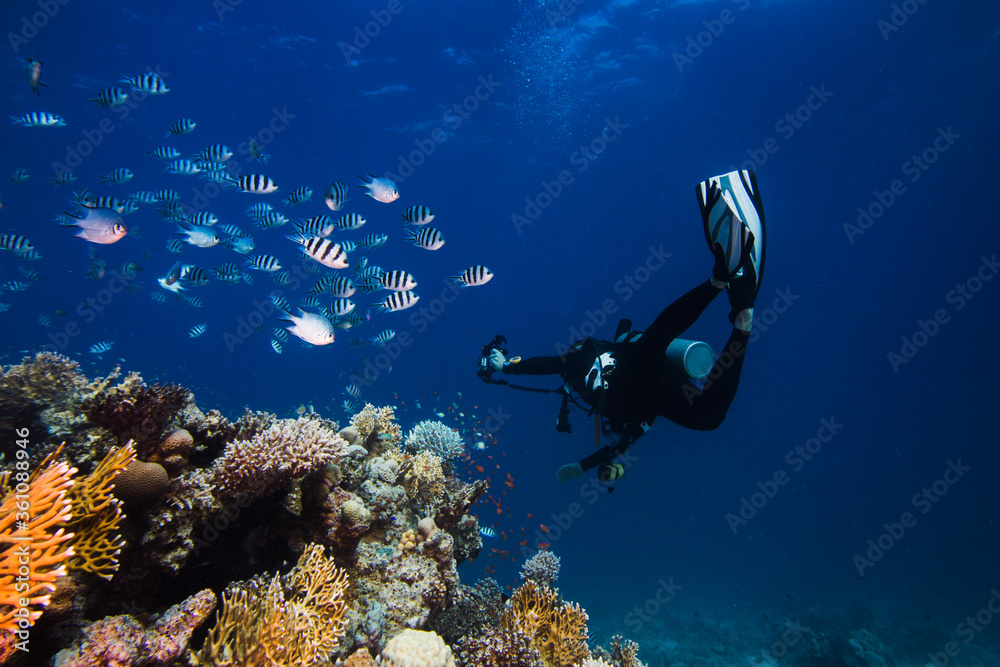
<point x="551" y="88"/>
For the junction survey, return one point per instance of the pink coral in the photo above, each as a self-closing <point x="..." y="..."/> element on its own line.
<point x="121" y="641"/>
<point x="288" y="449"/>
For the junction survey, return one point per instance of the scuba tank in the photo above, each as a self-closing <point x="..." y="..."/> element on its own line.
<point x="693" y="358"/>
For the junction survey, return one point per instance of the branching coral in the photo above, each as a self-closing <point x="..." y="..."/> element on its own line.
<point x="436" y="438"/>
<point x="424" y="481"/>
<point x="380" y="423"/>
<point x="33" y="543"/>
<point x="295" y="621"/>
<point x="289" y="449"/>
<point x="625" y="651"/>
<point x="558" y="631"/>
<point x="97" y="514"/>
<point x="133" y="411"/>
<point x="542" y="568"/>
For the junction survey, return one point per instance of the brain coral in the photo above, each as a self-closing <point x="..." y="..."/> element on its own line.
<point x="141" y="482"/>
<point x="416" y="648"/>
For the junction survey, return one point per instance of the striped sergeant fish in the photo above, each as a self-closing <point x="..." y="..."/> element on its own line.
<point x="383" y="338"/>
<point x="203" y="218"/>
<point x="19" y="176"/>
<point x="214" y="153"/>
<point x="473" y="276"/>
<point x="14" y="286"/>
<point x="167" y="195"/>
<point x="264" y="263"/>
<point x="182" y="126"/>
<point x="280" y="334"/>
<point x="417" y="215"/>
<point x="298" y="195"/>
<point x="373" y="241"/>
<point x="259" y="209"/>
<point x="193" y="274"/>
<point x="150" y="82"/>
<point x="16" y="244"/>
<point x="397" y="301"/>
<point x="101" y="348"/>
<point x="342" y="307"/>
<point x="255" y="183"/>
<point x="350" y="221"/>
<point x="335" y="196"/>
<point x="427" y="238"/>
<point x="144" y="197"/>
<point x="183" y="167"/>
<point x="120" y="175"/>
<point x="338" y="286"/>
<point x="164" y="153"/>
<point x="397" y="281"/>
<point x="271" y="219"/>
<point x="38" y="119"/>
<point x="324" y="251"/>
<point x="197" y="330"/>
<point x="276" y="346"/>
<point x="62" y="178"/>
<point x="309" y="301"/>
<point x="318" y="225"/>
<point x="110" y="97"/>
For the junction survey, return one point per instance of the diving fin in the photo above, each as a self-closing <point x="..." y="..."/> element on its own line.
<point x="730" y="207"/>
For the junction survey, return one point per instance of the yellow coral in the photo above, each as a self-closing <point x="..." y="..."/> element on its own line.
<point x="300" y="622"/>
<point x="381" y="421"/>
<point x="33" y="549"/>
<point x="97" y="514"/>
<point x="626" y="651"/>
<point x="557" y="631"/>
<point x="425" y="480"/>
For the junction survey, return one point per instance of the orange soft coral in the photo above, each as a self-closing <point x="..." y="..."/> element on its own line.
<point x="33" y="553"/>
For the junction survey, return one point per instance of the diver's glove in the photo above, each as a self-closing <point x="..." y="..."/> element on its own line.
<point x="497" y="360"/>
<point x="721" y="275"/>
<point x="569" y="471"/>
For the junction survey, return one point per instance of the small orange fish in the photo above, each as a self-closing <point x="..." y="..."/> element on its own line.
<point x="480" y="469"/>
<point x="510" y="483"/>
<point x="530" y="516"/>
<point x="544" y="545"/>
<point x="523" y="543"/>
<point x="499" y="511"/>
<point x="544" y="528"/>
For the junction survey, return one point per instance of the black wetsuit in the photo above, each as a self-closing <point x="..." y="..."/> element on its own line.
<point x="643" y="385"/>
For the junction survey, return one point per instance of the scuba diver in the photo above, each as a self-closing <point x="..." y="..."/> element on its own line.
<point x="643" y="375"/>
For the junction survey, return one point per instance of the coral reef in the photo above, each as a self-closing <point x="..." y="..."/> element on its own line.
<point x="131" y="410"/>
<point x="297" y="619"/>
<point x="542" y="568"/>
<point x="436" y="438"/>
<point x="416" y="648"/>
<point x="33" y="517"/>
<point x="124" y="642"/>
<point x="141" y="482"/>
<point x="376" y="427"/>
<point x="97" y="515"/>
<point x="289" y="448"/>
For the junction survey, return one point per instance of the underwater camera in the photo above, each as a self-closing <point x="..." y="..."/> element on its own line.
<point x="485" y="371"/>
